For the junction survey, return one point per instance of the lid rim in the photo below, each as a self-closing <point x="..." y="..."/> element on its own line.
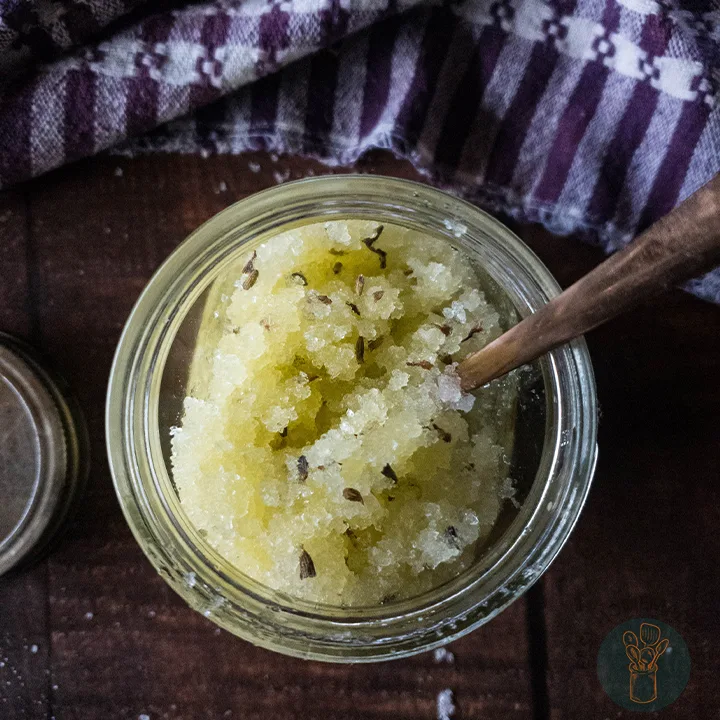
<point x="62" y="444"/>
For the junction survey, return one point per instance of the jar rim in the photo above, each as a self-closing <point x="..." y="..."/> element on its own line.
<point x="202" y="577"/>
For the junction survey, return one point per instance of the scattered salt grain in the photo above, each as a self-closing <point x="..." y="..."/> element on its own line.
<point x="254" y="167"/>
<point x="221" y="188"/>
<point x="34" y="649"/>
<point x="281" y="177"/>
<point x="443" y="655"/>
<point x="274" y="157"/>
<point x="151" y="614"/>
<point x="118" y="172"/>
<point x="456" y="311"/>
<point x="204" y="154"/>
<point x="89" y="616"/>
<point x="450" y="393"/>
<point x="445" y="705"/>
<point x="455" y="227"/>
<point x="143" y="716"/>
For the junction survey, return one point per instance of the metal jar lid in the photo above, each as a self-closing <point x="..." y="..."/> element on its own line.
<point x="43" y="455"/>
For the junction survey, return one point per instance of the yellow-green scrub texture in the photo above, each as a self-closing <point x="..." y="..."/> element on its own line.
<point x="325" y="448"/>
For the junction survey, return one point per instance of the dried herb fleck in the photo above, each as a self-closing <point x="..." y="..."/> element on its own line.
<point x="337" y="267"/>
<point x="451" y="537"/>
<point x="388" y="599"/>
<point x="369" y="243"/>
<point x="250" y="280"/>
<point x="298" y="277"/>
<point x="444" y="329"/>
<point x="408" y="272"/>
<point x="351" y="534"/>
<point x="381" y="254"/>
<point x="424" y="364"/>
<point x="378" y="295"/>
<point x="447" y="359"/>
<point x="265" y="324"/>
<point x="250" y="264"/>
<point x="353" y="307"/>
<point x="353" y="495"/>
<point x="360" y="349"/>
<point x="307" y="566"/>
<point x="370" y="239"/>
<point x="283" y="432"/>
<point x="303" y="467"/>
<point x="359" y="284"/>
<point x="376" y="343"/>
<point x="333" y="251"/>
<point x="445" y="436"/>
<point x="474" y="331"/>
<point x="389" y="473"/>
<point x="324" y="299"/>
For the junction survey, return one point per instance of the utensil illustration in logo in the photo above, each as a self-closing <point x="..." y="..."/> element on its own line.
<point x="630" y="638"/>
<point x="633" y="654"/>
<point x="649" y="634"/>
<point x="643" y="658"/>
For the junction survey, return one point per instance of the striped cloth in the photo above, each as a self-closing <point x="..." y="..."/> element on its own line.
<point x="593" y="117"/>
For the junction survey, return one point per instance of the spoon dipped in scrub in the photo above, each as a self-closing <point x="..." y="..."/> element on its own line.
<point x="680" y="246"/>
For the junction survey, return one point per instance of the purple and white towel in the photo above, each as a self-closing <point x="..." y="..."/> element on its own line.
<point x="591" y="116"/>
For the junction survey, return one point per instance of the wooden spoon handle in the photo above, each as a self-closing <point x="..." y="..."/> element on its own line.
<point x="680" y="246"/>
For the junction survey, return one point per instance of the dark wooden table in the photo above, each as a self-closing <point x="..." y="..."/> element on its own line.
<point x="92" y="633"/>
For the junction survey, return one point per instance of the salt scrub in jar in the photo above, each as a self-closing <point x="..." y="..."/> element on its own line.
<point x="325" y="448"/>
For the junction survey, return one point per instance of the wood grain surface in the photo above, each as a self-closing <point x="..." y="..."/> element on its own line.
<point x="91" y="633"/>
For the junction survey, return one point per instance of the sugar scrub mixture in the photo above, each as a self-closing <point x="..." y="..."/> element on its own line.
<point x="325" y="448"/>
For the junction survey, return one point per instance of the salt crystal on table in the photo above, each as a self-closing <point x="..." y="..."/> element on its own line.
<point x="445" y="705"/>
<point x="281" y="177"/>
<point x="443" y="655"/>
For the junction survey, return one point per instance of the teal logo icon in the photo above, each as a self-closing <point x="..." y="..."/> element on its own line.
<point x="643" y="665"/>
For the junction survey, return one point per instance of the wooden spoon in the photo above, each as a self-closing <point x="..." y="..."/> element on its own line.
<point x="680" y="246"/>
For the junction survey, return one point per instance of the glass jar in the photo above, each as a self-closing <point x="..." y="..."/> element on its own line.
<point x="553" y="460"/>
